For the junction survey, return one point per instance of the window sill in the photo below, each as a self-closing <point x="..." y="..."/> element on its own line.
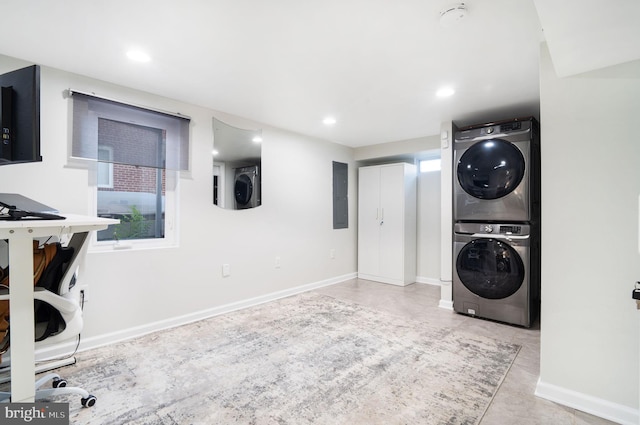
<point x="131" y="245"/>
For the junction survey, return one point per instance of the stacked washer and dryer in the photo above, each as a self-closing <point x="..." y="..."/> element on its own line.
<point x="496" y="252"/>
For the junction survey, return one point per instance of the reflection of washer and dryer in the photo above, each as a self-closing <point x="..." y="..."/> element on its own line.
<point x="496" y="271"/>
<point x="496" y="192"/>
<point x="246" y="187"/>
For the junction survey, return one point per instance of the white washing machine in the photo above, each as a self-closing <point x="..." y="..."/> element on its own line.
<point x="497" y="172"/>
<point x="246" y="188"/>
<point x="495" y="273"/>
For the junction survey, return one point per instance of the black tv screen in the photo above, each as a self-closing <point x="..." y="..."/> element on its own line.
<point x="20" y="116"/>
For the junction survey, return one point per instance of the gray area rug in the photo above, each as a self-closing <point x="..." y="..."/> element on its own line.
<point x="307" y="359"/>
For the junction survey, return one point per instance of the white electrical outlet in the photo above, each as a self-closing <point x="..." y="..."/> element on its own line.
<point x="226" y="270"/>
<point x="332" y="253"/>
<point x="277" y="262"/>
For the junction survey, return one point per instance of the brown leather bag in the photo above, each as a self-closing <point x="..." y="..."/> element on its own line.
<point x="41" y="259"/>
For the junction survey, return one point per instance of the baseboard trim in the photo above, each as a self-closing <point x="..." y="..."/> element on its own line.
<point x="589" y="404"/>
<point x="135" y="332"/>
<point x="389" y="281"/>
<point x="428" y="280"/>
<point x="446" y="304"/>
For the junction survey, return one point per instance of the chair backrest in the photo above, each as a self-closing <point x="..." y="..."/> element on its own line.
<point x="50" y="280"/>
<point x="59" y="277"/>
<point x="79" y="248"/>
<point x="51" y="277"/>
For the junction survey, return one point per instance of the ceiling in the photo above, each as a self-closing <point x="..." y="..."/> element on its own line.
<point x="374" y="65"/>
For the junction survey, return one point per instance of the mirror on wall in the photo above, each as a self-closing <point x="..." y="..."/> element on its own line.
<point x="237" y="167"/>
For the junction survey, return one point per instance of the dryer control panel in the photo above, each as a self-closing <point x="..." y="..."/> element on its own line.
<point x="494" y="129"/>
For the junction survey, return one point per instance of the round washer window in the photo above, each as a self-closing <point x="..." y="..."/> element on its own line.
<point x="491" y="169"/>
<point x="243" y="189"/>
<point x="490" y="268"/>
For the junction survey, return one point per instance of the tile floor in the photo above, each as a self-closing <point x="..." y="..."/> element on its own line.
<point x="515" y="402"/>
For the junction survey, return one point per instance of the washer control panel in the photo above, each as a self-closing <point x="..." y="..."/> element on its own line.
<point x="511" y="229"/>
<point x="492" y="228"/>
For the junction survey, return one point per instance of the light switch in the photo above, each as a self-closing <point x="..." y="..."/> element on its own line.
<point x="444" y="139"/>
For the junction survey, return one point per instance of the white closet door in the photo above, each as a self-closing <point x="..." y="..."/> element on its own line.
<point x="392" y="222"/>
<point x="368" y="220"/>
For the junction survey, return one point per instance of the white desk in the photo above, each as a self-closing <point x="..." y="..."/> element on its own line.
<point x="20" y="234"/>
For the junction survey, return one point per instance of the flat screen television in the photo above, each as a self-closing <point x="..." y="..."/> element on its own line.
<point x="20" y="116"/>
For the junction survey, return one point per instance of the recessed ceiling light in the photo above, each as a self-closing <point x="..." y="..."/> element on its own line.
<point x="445" y="92"/>
<point x="257" y="139"/>
<point x="329" y="121"/>
<point x="138" y="56"/>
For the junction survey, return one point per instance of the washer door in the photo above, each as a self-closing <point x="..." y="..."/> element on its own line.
<point x="490" y="268"/>
<point x="243" y="189"/>
<point x="491" y="169"/>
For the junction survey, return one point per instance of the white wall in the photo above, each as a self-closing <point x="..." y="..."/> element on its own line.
<point x="590" y="247"/>
<point x="447" y="133"/>
<point x="139" y="289"/>
<point x="411" y="148"/>
<point x="429" y="216"/>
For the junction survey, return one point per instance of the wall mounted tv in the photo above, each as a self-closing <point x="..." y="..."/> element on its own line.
<point x="20" y="116"/>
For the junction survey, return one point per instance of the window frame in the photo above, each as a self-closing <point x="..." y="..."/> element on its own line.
<point x="170" y="238"/>
<point x="170" y="218"/>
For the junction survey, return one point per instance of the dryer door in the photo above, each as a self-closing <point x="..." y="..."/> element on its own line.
<point x="490" y="268"/>
<point x="243" y="190"/>
<point x="491" y="169"/>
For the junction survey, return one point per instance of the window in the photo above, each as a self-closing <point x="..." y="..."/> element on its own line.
<point x="429" y="165"/>
<point x="340" y="195"/>
<point x="138" y="154"/>
<point x="136" y="195"/>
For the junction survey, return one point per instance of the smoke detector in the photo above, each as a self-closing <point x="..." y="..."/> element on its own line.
<point x="453" y="15"/>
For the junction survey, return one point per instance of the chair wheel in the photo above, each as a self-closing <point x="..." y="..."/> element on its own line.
<point x="59" y="383"/>
<point x="89" y="401"/>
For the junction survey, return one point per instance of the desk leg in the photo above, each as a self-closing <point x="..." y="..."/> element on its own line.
<point x="21" y="316"/>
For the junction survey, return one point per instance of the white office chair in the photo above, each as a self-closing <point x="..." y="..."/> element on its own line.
<point x="58" y="316"/>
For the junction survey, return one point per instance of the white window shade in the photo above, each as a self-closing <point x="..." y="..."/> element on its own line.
<point x="91" y="112"/>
